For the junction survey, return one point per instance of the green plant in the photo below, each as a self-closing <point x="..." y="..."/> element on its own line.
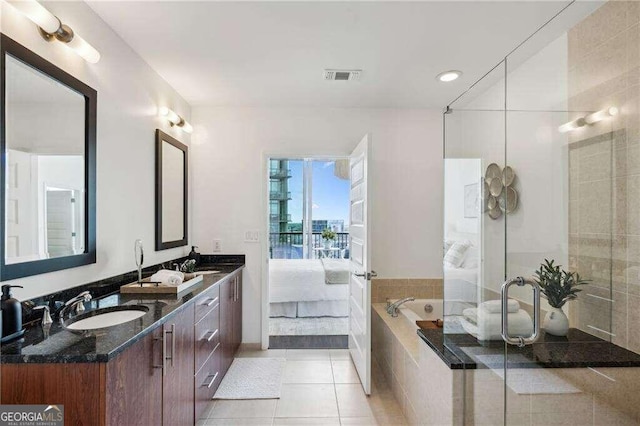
<point x="328" y="234"/>
<point x="557" y="285"/>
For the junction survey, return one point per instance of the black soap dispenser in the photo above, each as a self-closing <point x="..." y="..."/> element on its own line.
<point x="193" y="254"/>
<point x="11" y="314"/>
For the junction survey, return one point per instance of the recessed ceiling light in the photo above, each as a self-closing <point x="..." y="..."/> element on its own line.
<point x="448" y="76"/>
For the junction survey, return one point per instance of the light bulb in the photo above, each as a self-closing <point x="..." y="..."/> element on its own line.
<point x="571" y="125"/>
<point x="169" y="115"/>
<point x="187" y="127"/>
<point x="38" y="14"/>
<point x="84" y="49"/>
<point x="601" y="115"/>
<point x="448" y="76"/>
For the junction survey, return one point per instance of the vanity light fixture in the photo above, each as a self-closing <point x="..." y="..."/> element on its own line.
<point x="589" y="119"/>
<point x="448" y="76"/>
<point x="601" y="115"/>
<point x="174" y="119"/>
<point x="51" y="28"/>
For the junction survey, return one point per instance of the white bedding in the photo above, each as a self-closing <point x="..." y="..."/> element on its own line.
<point x="463" y="274"/>
<point x="302" y="280"/>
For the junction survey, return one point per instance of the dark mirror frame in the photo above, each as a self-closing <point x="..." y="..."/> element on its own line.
<point x="162" y="137"/>
<point x="12" y="271"/>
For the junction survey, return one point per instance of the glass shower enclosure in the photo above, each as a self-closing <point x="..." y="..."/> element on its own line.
<point x="542" y="163"/>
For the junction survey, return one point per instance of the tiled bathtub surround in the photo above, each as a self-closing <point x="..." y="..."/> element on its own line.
<point x="397" y="288"/>
<point x="431" y="393"/>
<point x="604" y="172"/>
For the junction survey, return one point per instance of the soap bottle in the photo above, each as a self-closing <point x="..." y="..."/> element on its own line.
<point x="11" y="314"/>
<point x="193" y="254"/>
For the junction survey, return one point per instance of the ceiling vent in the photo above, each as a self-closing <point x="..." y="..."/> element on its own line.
<point x="343" y="75"/>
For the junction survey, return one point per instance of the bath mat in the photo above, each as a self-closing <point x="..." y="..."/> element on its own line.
<point x="252" y="378"/>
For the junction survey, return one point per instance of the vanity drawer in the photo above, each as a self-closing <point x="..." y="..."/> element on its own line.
<point x="207" y="335"/>
<point x="207" y="381"/>
<point x="206" y="301"/>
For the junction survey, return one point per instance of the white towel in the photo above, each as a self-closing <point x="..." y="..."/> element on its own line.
<point x="495" y="306"/>
<point x="490" y="324"/>
<point x="168" y="277"/>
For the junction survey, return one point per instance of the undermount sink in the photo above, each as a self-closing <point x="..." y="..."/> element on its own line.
<point x="106" y="317"/>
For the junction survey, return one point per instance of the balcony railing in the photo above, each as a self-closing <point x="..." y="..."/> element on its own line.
<point x="279" y="195"/>
<point x="280" y="217"/>
<point x="279" y="173"/>
<point x="289" y="245"/>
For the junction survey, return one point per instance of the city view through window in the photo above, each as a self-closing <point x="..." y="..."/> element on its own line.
<point x="314" y="192"/>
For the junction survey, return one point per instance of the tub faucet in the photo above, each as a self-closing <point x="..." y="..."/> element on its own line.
<point x="392" y="308"/>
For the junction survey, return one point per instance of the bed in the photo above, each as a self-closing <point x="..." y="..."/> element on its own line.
<point x="308" y="288"/>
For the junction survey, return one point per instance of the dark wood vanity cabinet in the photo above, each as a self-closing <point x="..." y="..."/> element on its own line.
<point x="168" y="377"/>
<point x="177" y="382"/>
<point x="230" y="318"/>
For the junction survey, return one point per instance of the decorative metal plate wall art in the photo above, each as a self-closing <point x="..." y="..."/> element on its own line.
<point x="499" y="194"/>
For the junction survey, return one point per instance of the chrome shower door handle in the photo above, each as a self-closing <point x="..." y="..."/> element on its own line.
<point x="504" y="293"/>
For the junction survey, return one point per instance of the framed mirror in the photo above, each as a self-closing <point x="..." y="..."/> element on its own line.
<point x="171" y="192"/>
<point x="48" y="179"/>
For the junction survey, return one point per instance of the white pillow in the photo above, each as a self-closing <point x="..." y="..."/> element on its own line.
<point x="455" y="254"/>
<point x="471" y="258"/>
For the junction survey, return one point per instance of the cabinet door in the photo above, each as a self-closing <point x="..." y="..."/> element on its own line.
<point x="237" y="314"/>
<point x="177" y="386"/>
<point x="134" y="384"/>
<point x="227" y="295"/>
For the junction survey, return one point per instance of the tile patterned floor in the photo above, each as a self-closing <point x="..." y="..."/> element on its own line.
<point x="320" y="387"/>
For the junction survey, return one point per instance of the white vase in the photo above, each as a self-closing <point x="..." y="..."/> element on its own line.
<point x="556" y="322"/>
<point x="328" y="244"/>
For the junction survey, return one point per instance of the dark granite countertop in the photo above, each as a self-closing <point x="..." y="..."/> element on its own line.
<point x="101" y="345"/>
<point x="577" y="350"/>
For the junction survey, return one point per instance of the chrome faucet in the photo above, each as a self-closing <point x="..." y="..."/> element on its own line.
<point x="392" y="308"/>
<point x="76" y="302"/>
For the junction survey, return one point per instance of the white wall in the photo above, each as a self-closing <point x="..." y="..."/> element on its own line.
<point x="229" y="145"/>
<point x="129" y="92"/>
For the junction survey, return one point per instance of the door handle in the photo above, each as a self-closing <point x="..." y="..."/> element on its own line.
<point x="504" y="293"/>
<point x="211" y="301"/>
<point x="172" y="332"/>
<point x="366" y="275"/>
<point x="163" y="339"/>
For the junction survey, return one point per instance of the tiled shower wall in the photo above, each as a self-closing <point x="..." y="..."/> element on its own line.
<point x="397" y="288"/>
<point x="604" y="172"/>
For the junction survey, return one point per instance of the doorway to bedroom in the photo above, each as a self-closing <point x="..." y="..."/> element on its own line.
<point x="308" y="252"/>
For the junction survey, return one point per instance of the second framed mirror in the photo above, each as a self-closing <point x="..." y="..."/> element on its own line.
<point x="171" y="192"/>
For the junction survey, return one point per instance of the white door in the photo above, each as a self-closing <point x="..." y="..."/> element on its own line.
<point x="360" y="256"/>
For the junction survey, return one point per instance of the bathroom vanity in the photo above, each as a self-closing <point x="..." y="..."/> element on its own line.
<point x="162" y="368"/>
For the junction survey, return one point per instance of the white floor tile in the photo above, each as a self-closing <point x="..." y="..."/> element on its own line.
<point x="352" y="401"/>
<point x="243" y="408"/>
<point x="301" y="421"/>
<point x="363" y="421"/>
<point x="240" y="422"/>
<point x="318" y="400"/>
<point x="308" y="354"/>
<point x="340" y="354"/>
<point x="344" y="371"/>
<point x="307" y="371"/>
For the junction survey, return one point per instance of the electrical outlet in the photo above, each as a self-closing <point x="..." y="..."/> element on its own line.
<point x="217" y="246"/>
<point x="252" y="236"/>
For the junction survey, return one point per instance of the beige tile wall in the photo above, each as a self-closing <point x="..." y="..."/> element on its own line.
<point x="427" y="390"/>
<point x="397" y="288"/>
<point x="604" y="172"/>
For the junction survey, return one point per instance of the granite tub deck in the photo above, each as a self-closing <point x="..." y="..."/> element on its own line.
<point x="58" y="345"/>
<point x="453" y="379"/>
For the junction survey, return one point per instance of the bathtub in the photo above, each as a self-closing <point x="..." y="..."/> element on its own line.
<point x="415" y="310"/>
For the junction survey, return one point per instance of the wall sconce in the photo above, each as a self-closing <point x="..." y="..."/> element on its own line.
<point x="589" y="119"/>
<point x="174" y="119"/>
<point x="51" y="28"/>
